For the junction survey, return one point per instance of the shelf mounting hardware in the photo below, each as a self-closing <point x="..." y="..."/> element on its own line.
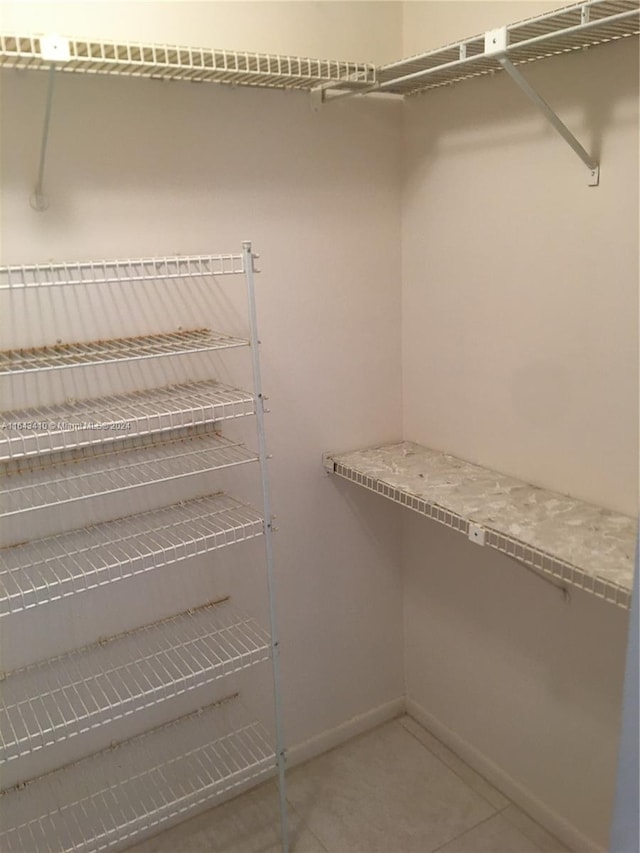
<point x="543" y="576"/>
<point x="53" y="49"/>
<point x="496" y="43"/>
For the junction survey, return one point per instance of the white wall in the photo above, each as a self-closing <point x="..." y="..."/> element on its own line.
<point x="520" y="287"/>
<point x="520" y="353"/>
<point x="142" y="168"/>
<point x="520" y="684"/>
<point x="355" y="30"/>
<point x="518" y="322"/>
<point x="430" y="24"/>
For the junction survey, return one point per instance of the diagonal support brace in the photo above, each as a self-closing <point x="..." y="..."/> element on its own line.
<point x="53" y="49"/>
<point x="590" y="162"/>
<point x="39" y="201"/>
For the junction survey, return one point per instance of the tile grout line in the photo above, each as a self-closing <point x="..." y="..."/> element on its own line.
<point x="304" y="825"/>
<point x="462" y="834"/>
<point x="496" y="809"/>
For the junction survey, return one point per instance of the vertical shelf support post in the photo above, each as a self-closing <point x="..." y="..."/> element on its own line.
<point x="248" y="265"/>
<point x="496" y="43"/>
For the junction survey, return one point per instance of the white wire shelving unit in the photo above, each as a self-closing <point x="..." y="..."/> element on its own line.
<point x="563" y="31"/>
<point x="124" y="349"/>
<point x="26" y="276"/>
<point x="46" y="570"/>
<point x="172" y="62"/>
<point x="570" y="542"/>
<point x="566" y="30"/>
<point x="107" y="800"/>
<point x="569" y="29"/>
<point x="62" y="698"/>
<point x="56" y="457"/>
<point x="57" y="54"/>
<point x="101" y="421"/>
<point x="120" y="470"/>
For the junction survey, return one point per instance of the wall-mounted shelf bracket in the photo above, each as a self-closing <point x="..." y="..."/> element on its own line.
<point x="53" y="49"/>
<point x="336" y="90"/>
<point x="317" y="98"/>
<point x="496" y="43"/>
<point x="327" y="93"/>
<point x="327" y="463"/>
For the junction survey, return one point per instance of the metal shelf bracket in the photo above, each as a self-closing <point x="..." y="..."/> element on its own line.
<point x="496" y="43"/>
<point x="326" y="94"/>
<point x="53" y="49"/>
<point x="327" y="463"/>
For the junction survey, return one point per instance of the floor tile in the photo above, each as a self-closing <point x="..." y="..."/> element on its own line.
<point x="247" y="824"/>
<point x="384" y="792"/>
<point x="544" y="840"/>
<point x="476" y="782"/>
<point x="495" y="835"/>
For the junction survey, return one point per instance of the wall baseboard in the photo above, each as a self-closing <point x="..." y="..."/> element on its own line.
<point x="521" y="796"/>
<point x="357" y="725"/>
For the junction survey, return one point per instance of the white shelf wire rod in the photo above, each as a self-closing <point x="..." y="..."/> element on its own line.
<point x="172" y="62"/>
<point x="64" y="697"/>
<point x="29" y="276"/>
<point x="81" y="423"/>
<point x="117" y="350"/>
<point x="121" y="470"/>
<point x="106" y="800"/>
<point x="46" y="570"/>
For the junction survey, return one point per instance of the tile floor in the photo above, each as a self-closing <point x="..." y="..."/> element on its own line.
<point x="396" y="789"/>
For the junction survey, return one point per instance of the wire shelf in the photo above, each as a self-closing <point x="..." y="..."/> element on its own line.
<point x="116" y="271"/>
<point x="161" y="775"/>
<point x="117" y="350"/>
<point x="66" y="696"/>
<point x="562" y="31"/>
<point x="46" y="570"/>
<point x="171" y="62"/>
<point x="577" y="543"/>
<point x="82" y="423"/>
<point x="194" y="452"/>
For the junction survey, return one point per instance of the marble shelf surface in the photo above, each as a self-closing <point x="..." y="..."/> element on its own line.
<point x="582" y="544"/>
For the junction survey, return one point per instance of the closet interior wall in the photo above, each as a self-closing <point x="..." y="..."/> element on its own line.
<point x="455" y="223"/>
<point x="145" y="168"/>
<point x="430" y="24"/>
<point x="520" y="331"/>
